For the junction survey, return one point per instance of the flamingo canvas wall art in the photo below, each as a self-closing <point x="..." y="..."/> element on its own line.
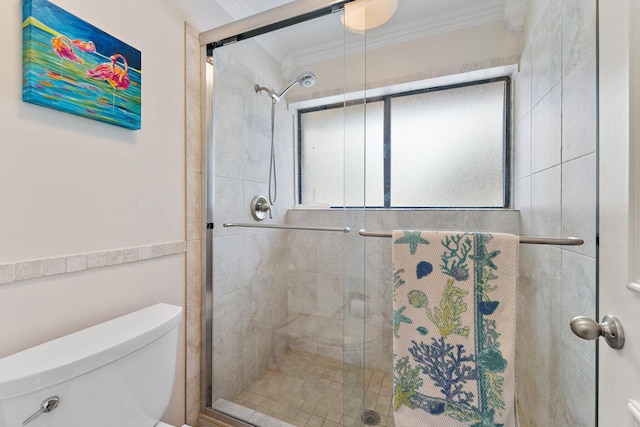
<point x="72" y="66"/>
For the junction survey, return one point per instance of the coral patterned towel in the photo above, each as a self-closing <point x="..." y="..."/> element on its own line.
<point x="454" y="328"/>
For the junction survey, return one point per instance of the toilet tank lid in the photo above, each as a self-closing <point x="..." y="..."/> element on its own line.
<point x="72" y="355"/>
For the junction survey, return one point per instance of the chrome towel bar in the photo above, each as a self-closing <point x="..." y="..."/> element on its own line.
<point x="571" y="241"/>
<point x="285" y="227"/>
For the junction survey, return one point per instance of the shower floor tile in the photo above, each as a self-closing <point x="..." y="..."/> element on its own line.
<point x="308" y="390"/>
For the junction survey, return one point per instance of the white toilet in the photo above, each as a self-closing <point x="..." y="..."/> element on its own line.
<point x="115" y="374"/>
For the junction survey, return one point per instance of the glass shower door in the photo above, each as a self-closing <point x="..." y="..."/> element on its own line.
<point x="278" y="324"/>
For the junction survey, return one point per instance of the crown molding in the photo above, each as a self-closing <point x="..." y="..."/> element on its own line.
<point x="506" y="11"/>
<point x="479" y="14"/>
<point x="237" y="9"/>
<point x="272" y="46"/>
<point x="514" y="15"/>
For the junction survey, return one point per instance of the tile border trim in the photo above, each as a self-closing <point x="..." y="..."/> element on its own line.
<point x="67" y="264"/>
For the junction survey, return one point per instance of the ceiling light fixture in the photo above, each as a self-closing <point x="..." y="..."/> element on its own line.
<point x="363" y="15"/>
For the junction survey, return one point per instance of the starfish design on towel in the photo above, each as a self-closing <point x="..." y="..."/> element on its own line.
<point x="398" y="318"/>
<point x="483" y="258"/>
<point x="413" y="239"/>
<point x="401" y="398"/>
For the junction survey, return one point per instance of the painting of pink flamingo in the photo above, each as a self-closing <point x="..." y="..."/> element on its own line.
<point x="113" y="73"/>
<point x="84" y="46"/>
<point x="72" y="66"/>
<point x="63" y="46"/>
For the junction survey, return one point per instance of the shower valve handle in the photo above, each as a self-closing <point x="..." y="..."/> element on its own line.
<point x="264" y="207"/>
<point x="259" y="208"/>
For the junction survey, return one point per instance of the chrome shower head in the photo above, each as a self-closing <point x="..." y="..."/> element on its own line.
<point x="306" y="79"/>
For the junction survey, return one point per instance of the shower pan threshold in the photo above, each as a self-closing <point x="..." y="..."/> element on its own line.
<point x="247" y="415"/>
<point x="308" y="390"/>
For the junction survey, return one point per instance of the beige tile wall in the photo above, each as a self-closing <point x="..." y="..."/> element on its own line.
<point x="194" y="179"/>
<point x="555" y="189"/>
<point x="250" y="265"/>
<point x="72" y="263"/>
<point x="332" y="270"/>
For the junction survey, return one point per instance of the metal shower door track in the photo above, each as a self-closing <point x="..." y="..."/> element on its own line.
<point x="268" y="21"/>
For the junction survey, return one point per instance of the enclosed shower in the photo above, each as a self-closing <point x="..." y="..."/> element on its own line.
<point x="301" y="320"/>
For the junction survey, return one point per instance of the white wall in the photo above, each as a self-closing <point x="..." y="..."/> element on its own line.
<point x="71" y="185"/>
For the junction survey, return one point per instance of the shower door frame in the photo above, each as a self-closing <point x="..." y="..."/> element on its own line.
<point x="208" y="194"/>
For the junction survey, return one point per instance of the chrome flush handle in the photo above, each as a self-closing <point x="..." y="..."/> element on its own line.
<point x="47" y="406"/>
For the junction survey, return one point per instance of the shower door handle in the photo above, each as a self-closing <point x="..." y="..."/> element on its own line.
<point x="610" y="328"/>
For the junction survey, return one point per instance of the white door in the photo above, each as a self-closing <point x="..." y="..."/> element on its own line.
<point x="619" y="261"/>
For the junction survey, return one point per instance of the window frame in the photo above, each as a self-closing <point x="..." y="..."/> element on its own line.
<point x="386" y="99"/>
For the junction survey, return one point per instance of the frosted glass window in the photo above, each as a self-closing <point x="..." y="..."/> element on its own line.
<point x="341" y="139"/>
<point x="441" y="147"/>
<point x="447" y="147"/>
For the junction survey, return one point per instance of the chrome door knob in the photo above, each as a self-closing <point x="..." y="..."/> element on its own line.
<point x="589" y="329"/>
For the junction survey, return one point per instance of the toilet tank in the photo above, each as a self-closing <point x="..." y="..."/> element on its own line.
<point x="118" y="373"/>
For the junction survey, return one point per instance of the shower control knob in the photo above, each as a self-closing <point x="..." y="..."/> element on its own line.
<point x="259" y="208"/>
<point x="589" y="329"/>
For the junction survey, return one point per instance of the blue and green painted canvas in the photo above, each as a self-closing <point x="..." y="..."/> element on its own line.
<point x="454" y="328"/>
<point x="72" y="66"/>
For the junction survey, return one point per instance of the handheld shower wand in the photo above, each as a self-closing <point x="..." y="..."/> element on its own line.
<point x="306" y="79"/>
